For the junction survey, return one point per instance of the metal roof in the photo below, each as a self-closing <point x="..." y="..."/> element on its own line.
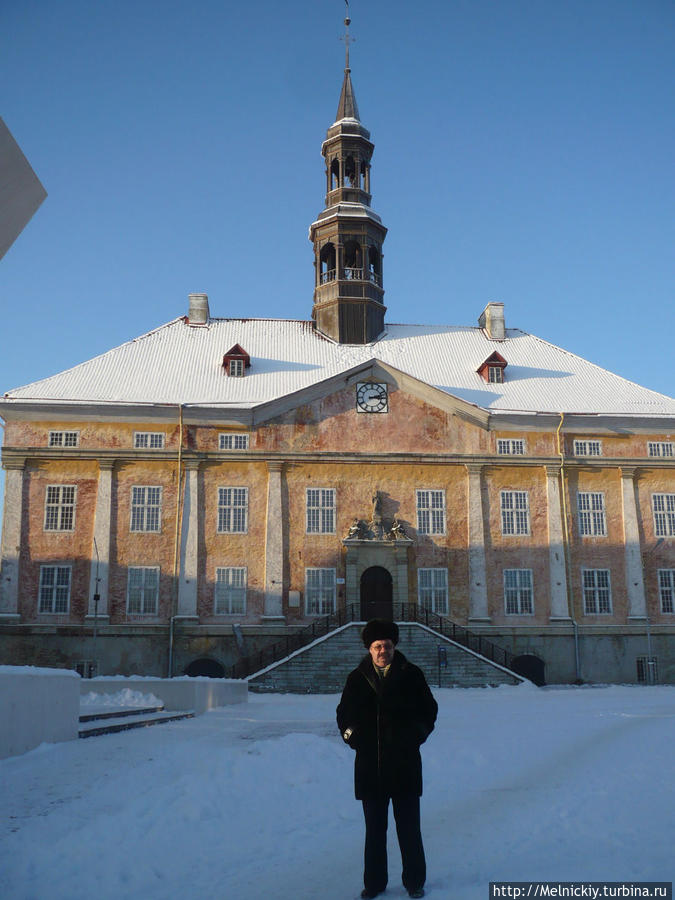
<point x="182" y="363"/>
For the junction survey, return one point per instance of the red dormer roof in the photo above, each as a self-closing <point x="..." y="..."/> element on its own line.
<point x="495" y="360"/>
<point x="236" y="352"/>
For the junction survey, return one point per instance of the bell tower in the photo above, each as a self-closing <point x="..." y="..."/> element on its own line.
<point x="347" y="235"/>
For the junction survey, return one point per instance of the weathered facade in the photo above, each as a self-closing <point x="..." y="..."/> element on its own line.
<point x="261" y="473"/>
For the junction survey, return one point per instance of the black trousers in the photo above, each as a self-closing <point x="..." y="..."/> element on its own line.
<point x="407" y="817"/>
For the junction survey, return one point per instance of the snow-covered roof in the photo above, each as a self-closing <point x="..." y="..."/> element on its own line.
<point x="180" y="363"/>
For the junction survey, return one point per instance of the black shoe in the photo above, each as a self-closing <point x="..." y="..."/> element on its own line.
<point x="416" y="892"/>
<point x="365" y="893"/>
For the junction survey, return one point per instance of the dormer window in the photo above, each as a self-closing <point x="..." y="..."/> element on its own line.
<point x="492" y="370"/>
<point x="236" y="361"/>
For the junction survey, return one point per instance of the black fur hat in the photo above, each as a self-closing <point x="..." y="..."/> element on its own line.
<point x="379" y="630"/>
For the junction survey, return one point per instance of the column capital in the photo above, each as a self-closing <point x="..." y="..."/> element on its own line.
<point x="14" y="462"/>
<point x="628" y="471"/>
<point x="191" y="464"/>
<point x="275" y="465"/>
<point x="474" y="468"/>
<point x="552" y="470"/>
<point x="106" y="464"/>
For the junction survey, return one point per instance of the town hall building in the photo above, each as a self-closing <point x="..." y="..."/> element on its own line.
<point x="217" y="485"/>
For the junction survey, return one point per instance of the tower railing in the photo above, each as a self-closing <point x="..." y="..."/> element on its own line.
<point x="402" y="612"/>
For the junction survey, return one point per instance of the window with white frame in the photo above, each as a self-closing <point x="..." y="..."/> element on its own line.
<point x="233" y="510"/>
<point x="320" y="511"/>
<point x="236" y="369"/>
<point x="664" y="514"/>
<point x="146" y="508"/>
<point x="64" y="438"/>
<point x="597" y="592"/>
<point x="661" y="448"/>
<point x="510" y="446"/>
<point x="591" y="510"/>
<point x="60" y="507"/>
<point x="319" y="592"/>
<point x="518" y="595"/>
<point x="588" y="448"/>
<point x="142" y="590"/>
<point x="54" y="591"/>
<point x="495" y="374"/>
<point x="432" y="590"/>
<point x="148" y="440"/>
<point x="431" y="512"/>
<point x="230" y="591"/>
<point x="233" y="441"/>
<point x="667" y="590"/>
<point x="515" y="512"/>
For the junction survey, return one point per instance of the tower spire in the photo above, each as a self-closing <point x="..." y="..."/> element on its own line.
<point x="347" y="107"/>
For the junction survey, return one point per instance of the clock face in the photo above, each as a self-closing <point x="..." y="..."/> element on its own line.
<point x="372" y="397"/>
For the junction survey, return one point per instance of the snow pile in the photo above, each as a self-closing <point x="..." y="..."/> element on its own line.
<point x="256" y="801"/>
<point x="125" y="697"/>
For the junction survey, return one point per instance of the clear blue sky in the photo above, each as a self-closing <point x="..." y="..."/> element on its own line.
<point x="523" y="152"/>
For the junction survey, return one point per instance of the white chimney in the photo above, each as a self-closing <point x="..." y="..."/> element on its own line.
<point x="492" y="320"/>
<point x="198" y="313"/>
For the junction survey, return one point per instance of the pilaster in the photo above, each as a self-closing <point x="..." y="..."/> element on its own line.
<point x="478" y="599"/>
<point x="274" y="545"/>
<point x="100" y="550"/>
<point x="635" y="587"/>
<point x="189" y="544"/>
<point x="11" y="540"/>
<point x="556" y="547"/>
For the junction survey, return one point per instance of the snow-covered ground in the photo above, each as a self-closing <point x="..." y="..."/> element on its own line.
<point x="255" y="801"/>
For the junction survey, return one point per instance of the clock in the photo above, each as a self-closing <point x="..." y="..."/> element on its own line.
<point x="371" y="397"/>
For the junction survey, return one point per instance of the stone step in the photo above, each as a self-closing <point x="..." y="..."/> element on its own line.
<point x="323" y="666"/>
<point x="127" y="722"/>
<point x="117" y="712"/>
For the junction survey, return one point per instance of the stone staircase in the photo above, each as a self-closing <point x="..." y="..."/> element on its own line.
<point x="111" y="720"/>
<point x="322" y="666"/>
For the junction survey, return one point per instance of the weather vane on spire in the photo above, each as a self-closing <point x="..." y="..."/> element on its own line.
<point x="347" y="37"/>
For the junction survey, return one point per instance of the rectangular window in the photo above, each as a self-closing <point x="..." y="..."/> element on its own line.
<point x="510" y="447"/>
<point x="432" y="590"/>
<point x="647" y="669"/>
<point x="142" y="590"/>
<point x="233" y="442"/>
<point x="60" y="507"/>
<point x="591" y="509"/>
<point x="597" y="592"/>
<point x="495" y="374"/>
<point x="148" y="440"/>
<point x="661" y="448"/>
<point x="146" y="508"/>
<point x="233" y="510"/>
<point x="319" y="592"/>
<point x="667" y="590"/>
<point x="65" y="438"/>
<point x="431" y="512"/>
<point x="515" y="512"/>
<point x="237" y="368"/>
<point x="664" y="514"/>
<point x="230" y="593"/>
<point x="320" y="511"/>
<point x="54" y="595"/>
<point x="588" y="448"/>
<point x="518" y="595"/>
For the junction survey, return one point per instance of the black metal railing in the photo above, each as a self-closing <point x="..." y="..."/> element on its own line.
<point x="402" y="612"/>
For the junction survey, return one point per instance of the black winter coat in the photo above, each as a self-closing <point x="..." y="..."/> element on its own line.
<point x="389" y="717"/>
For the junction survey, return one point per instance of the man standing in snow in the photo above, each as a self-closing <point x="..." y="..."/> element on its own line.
<point x="385" y="713"/>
